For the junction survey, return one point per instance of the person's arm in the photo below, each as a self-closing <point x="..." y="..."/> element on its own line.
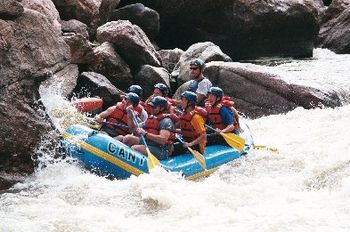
<point x="198" y="124"/>
<point x="162" y="138"/>
<point x="227" y="119"/>
<point x="202" y="90"/>
<point x="99" y="118"/>
<point x="131" y="123"/>
<point x="144" y="115"/>
<point x="166" y="127"/>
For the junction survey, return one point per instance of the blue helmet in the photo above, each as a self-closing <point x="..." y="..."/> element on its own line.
<point x="159" y="101"/>
<point x="134" y="98"/>
<point x="198" y="62"/>
<point x="190" y="96"/>
<point x="163" y="88"/>
<point x="135" y="89"/>
<point x="218" y="92"/>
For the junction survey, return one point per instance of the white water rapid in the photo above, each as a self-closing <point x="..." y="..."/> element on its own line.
<point x="304" y="187"/>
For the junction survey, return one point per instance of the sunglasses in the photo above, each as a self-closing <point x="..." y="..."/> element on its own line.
<point x="193" y="68"/>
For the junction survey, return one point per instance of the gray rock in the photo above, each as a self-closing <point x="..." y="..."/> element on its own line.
<point x="144" y="17"/>
<point x="108" y="62"/>
<point x="130" y="42"/>
<point x="80" y="49"/>
<point x="92" y="13"/>
<point x="148" y="76"/>
<point x="170" y="57"/>
<point x="30" y="49"/>
<point x="335" y="27"/>
<point x="257" y="93"/>
<point x="98" y="85"/>
<point x="10" y="9"/>
<point x="207" y="51"/>
<point x="76" y="27"/>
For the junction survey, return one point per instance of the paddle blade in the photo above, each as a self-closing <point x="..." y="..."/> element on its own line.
<point x="273" y="149"/>
<point x="234" y="140"/>
<point x="96" y="126"/>
<point x="152" y="160"/>
<point x="199" y="157"/>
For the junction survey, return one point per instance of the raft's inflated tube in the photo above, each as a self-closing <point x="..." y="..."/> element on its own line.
<point x="87" y="104"/>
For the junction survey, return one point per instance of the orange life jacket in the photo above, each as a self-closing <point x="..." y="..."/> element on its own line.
<point x="188" y="132"/>
<point x="119" y="116"/>
<point x="152" y="125"/>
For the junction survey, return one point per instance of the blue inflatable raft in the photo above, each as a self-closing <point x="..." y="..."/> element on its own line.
<point x="101" y="153"/>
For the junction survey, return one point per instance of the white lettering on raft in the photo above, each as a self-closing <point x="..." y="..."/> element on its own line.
<point x="124" y="154"/>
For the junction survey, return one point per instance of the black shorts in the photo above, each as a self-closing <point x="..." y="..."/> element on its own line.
<point x="179" y="149"/>
<point x="111" y="132"/>
<point x="215" y="139"/>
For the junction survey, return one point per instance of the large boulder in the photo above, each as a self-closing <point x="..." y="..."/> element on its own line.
<point x="144" y="17"/>
<point x="207" y="51"/>
<point x="111" y="65"/>
<point x="130" y="42"/>
<point x="47" y="8"/>
<point x="10" y="9"/>
<point x="30" y="49"/>
<point x="170" y="57"/>
<point x="335" y="27"/>
<point x="80" y="48"/>
<point x="74" y="26"/>
<point x="95" y="84"/>
<point x="91" y="12"/>
<point x="148" y="76"/>
<point x="257" y="92"/>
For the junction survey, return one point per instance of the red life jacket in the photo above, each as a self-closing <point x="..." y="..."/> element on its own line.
<point x="227" y="102"/>
<point x="188" y="131"/>
<point x="152" y="125"/>
<point x="119" y="116"/>
<point x="171" y="102"/>
<point x="215" y="117"/>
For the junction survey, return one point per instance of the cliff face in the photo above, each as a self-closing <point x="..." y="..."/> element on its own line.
<point x="30" y="48"/>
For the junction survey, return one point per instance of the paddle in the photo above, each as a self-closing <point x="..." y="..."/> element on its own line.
<point x="99" y="125"/>
<point x="153" y="161"/>
<point x="199" y="157"/>
<point x="115" y="124"/>
<point x="273" y="149"/>
<point x="233" y="140"/>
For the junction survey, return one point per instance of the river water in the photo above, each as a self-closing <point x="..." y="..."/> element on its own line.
<point x="305" y="186"/>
